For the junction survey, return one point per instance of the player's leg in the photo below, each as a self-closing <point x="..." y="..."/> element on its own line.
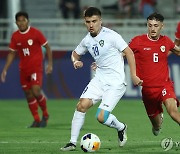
<point x="32" y="102"/>
<point x="90" y="96"/>
<point x="78" y="119"/>
<point x="36" y="82"/>
<point x="110" y="99"/>
<point x="171" y="102"/>
<point x="108" y="119"/>
<point x="33" y="106"/>
<point x="77" y="122"/>
<point x="171" y="107"/>
<point x="41" y="99"/>
<point x="156" y="122"/>
<point x="153" y="104"/>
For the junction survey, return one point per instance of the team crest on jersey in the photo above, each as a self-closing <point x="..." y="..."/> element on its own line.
<point x="30" y="41"/>
<point x="101" y="43"/>
<point x="163" y="48"/>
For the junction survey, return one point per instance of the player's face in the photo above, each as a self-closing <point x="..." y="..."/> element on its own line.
<point x="22" y="23"/>
<point x="154" y="28"/>
<point x="93" y="24"/>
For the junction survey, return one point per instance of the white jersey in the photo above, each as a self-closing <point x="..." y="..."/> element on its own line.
<point x="106" y="49"/>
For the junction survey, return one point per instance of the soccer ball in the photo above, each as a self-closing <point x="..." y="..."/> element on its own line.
<point x="90" y="142"/>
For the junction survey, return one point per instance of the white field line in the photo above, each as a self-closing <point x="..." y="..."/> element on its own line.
<point x="47" y="142"/>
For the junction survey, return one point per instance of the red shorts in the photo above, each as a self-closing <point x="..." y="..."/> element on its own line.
<point x="154" y="96"/>
<point x="29" y="79"/>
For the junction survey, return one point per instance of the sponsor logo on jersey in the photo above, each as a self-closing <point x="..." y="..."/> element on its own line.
<point x="147" y="49"/>
<point x="19" y="44"/>
<point x="30" y="41"/>
<point x="101" y="43"/>
<point x="163" y="48"/>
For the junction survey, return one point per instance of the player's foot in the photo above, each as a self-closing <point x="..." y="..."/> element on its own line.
<point x="122" y="136"/>
<point x="157" y="131"/>
<point x="68" y="147"/>
<point x="35" y="124"/>
<point x="43" y="122"/>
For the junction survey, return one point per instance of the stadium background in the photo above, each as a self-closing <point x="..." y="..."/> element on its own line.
<point x="64" y="35"/>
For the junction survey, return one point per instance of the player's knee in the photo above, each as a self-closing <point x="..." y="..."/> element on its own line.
<point x="36" y="92"/>
<point x="79" y="107"/>
<point x="83" y="106"/>
<point x="102" y="116"/>
<point x="28" y="94"/>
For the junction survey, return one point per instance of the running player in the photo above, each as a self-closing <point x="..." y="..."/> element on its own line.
<point x="27" y="42"/>
<point x="108" y="86"/>
<point x="151" y="52"/>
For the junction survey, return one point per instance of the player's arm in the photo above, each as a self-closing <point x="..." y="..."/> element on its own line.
<point x="131" y="61"/>
<point x="177" y="42"/>
<point x="49" y="67"/>
<point x="169" y="53"/>
<point x="9" y="60"/>
<point x="75" y="58"/>
<point x="176" y="50"/>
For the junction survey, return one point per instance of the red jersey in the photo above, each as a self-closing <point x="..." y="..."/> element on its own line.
<point x="151" y="59"/>
<point x="177" y="33"/>
<point x="28" y="45"/>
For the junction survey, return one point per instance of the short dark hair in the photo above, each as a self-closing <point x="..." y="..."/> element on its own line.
<point x="21" y="13"/>
<point x="90" y="11"/>
<point x="156" y="16"/>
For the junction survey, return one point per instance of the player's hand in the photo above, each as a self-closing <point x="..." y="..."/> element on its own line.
<point x="49" y="69"/>
<point x="78" y="64"/>
<point x="93" y="66"/>
<point x="137" y="81"/>
<point x="3" y="76"/>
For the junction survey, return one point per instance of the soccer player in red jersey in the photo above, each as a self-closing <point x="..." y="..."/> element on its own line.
<point x="151" y="52"/>
<point x="177" y="35"/>
<point x="27" y="42"/>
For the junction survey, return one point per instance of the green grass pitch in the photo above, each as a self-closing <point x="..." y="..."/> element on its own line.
<point x="15" y="138"/>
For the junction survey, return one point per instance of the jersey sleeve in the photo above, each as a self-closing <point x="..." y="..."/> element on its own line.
<point x="119" y="42"/>
<point x="12" y="45"/>
<point x="133" y="44"/>
<point x="42" y="39"/>
<point x="170" y="43"/>
<point x="81" y="48"/>
<point x="177" y="33"/>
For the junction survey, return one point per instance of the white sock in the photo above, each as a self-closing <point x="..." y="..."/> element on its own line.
<point x="76" y="125"/>
<point x="114" y="123"/>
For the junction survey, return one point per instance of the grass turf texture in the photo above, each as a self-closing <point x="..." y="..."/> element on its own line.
<point x="15" y="138"/>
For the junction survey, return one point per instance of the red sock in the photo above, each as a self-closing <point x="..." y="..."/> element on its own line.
<point x="42" y="103"/>
<point x="33" y="106"/>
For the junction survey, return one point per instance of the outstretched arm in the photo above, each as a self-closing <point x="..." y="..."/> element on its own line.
<point x="75" y="58"/>
<point x="132" y="64"/>
<point x="50" y="60"/>
<point x="176" y="50"/>
<point x="10" y="58"/>
<point x="177" y="42"/>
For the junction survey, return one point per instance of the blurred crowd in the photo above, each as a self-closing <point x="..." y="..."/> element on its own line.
<point x="115" y="8"/>
<point x="119" y="8"/>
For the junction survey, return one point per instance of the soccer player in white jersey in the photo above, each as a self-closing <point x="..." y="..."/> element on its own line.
<point x="108" y="85"/>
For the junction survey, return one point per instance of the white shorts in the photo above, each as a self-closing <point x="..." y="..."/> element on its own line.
<point x="108" y="94"/>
